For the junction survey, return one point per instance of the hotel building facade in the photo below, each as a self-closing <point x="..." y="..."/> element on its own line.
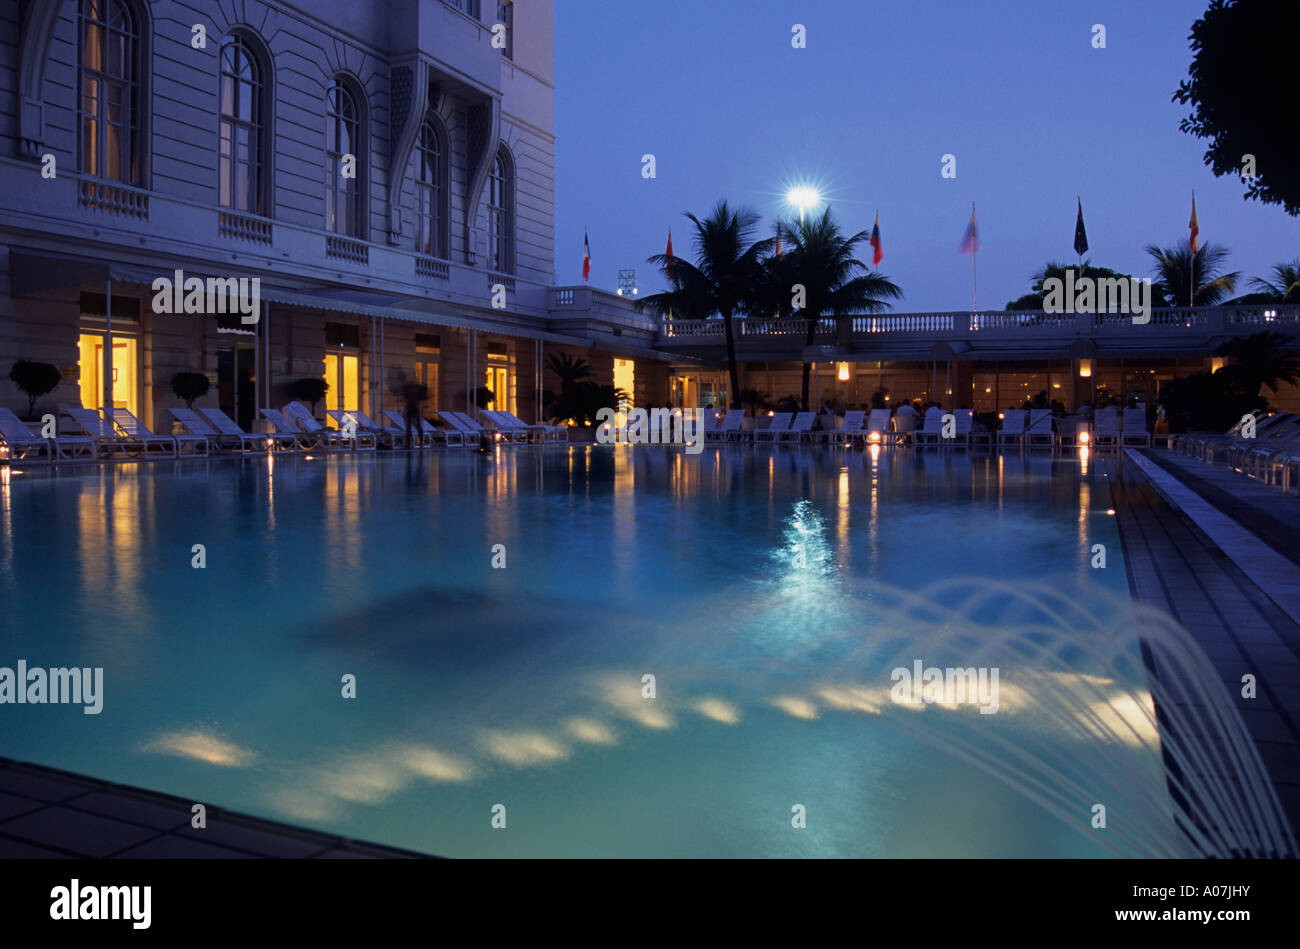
<point x="386" y="171"/>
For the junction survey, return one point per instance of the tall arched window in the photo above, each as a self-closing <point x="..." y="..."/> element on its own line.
<point x="241" y="172"/>
<point x="109" y="104"/>
<point x="344" y="161"/>
<point x="500" y="216"/>
<point x="431" y="189"/>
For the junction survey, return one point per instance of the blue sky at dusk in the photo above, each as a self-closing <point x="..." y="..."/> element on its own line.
<point x="1012" y="88"/>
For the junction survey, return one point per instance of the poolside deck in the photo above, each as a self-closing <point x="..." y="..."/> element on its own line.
<point x="49" y="814"/>
<point x="1221" y="554"/>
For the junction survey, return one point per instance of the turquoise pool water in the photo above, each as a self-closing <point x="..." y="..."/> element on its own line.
<point x="763" y="620"/>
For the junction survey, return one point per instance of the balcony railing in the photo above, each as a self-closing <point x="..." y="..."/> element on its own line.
<point x="432" y="268"/>
<point x="243" y="227"/>
<point x="965" y="324"/>
<point x="113" y="198"/>
<point x="504" y="279"/>
<point x="345" y="248"/>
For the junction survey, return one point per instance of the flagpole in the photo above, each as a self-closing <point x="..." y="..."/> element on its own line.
<point x="974" y="251"/>
<point x="1191" y="291"/>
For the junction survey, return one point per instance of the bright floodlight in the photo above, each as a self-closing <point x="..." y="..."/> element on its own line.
<point x="803" y="198"/>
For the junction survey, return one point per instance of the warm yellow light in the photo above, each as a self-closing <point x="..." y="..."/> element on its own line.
<point x="987" y="390"/>
<point x="1085" y="368"/>
<point x="770" y="413"/>
<point x="1217" y="363"/>
<point x="874" y="436"/>
<point x="1083" y="438"/>
<point x="1056" y="385"/>
<point x="844" y="372"/>
<point x="1002" y="415"/>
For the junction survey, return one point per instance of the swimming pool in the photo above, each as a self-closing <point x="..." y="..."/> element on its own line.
<point x="768" y="592"/>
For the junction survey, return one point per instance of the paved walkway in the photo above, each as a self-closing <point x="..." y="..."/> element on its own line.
<point x="46" y="813"/>
<point x="1191" y="551"/>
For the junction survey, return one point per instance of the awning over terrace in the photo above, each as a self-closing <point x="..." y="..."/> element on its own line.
<point x="33" y="273"/>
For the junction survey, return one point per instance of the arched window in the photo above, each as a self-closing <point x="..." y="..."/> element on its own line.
<point x="500" y="216"/>
<point x="431" y="189"/>
<point x="345" y="151"/>
<point x="241" y="147"/>
<point x="109" y="104"/>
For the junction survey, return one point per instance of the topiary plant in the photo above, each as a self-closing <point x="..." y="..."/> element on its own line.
<point x="34" y="379"/>
<point x="310" y="390"/>
<point x="190" y="386"/>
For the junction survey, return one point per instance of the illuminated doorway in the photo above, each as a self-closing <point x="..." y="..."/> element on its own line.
<point x="91" y="361"/>
<point x="497" y="378"/>
<point x="341" y="372"/>
<point x="625" y="378"/>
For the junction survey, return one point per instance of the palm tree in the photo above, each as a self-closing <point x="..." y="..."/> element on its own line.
<point x="1173" y="271"/>
<point x="820" y="259"/>
<point x="1285" y="285"/>
<point x="1258" y="361"/>
<point x="569" y="370"/>
<point x="727" y="269"/>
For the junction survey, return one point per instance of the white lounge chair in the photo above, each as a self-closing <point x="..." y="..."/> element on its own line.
<point x="801" y="429"/>
<point x="963" y="422"/>
<point x="180" y="444"/>
<point x="850" y="428"/>
<point x="551" y="433"/>
<point x="361" y="440"/>
<point x="518" y="430"/>
<point x="904" y="427"/>
<point x="109" y="443"/>
<point x="931" y="432"/>
<point x="1105" y="428"/>
<point x="471" y="429"/>
<point x="302" y="440"/>
<point x="777" y="423"/>
<point x="361" y="429"/>
<point x="1135" y="434"/>
<point x="732" y="426"/>
<point x="1038" y="433"/>
<point x="235" y="438"/>
<point x="23" y="445"/>
<point x="879" y="430"/>
<point x="1012" y="431"/>
<point x="453" y="437"/>
<point x="423" y="438"/>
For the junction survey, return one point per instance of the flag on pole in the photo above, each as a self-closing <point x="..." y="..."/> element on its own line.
<point x="879" y="253"/>
<point x="971" y="242"/>
<point x="668" y="252"/>
<point x="1080" y="235"/>
<point x="1195" y="229"/>
<point x="586" y="257"/>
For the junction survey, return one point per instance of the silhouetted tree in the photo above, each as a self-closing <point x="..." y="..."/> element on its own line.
<point x="1241" y="88"/>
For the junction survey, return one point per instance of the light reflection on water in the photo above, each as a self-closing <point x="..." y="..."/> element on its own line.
<point x="524" y="685"/>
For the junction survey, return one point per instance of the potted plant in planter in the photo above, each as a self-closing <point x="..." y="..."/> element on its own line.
<point x="34" y="379"/>
<point x="310" y="390"/>
<point x="190" y="386"/>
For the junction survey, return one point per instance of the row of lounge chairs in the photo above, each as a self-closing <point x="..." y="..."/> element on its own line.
<point x="1270" y="455"/>
<point x="116" y="434"/>
<point x="1032" y="428"/>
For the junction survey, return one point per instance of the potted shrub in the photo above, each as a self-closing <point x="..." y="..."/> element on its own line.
<point x="310" y="390"/>
<point x="190" y="386"/>
<point x="34" y="379"/>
